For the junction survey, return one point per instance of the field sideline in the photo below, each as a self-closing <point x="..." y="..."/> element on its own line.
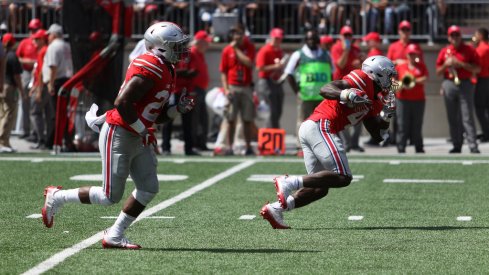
<point x="401" y="215"/>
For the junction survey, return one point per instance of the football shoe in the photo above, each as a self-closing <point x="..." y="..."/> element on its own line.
<point x="122" y="243"/>
<point x="273" y="216"/>
<point x="50" y="206"/>
<point x="283" y="189"/>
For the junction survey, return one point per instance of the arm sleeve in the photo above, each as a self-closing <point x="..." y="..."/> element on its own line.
<point x="223" y="66"/>
<point x="260" y="58"/>
<point x="441" y="58"/>
<point x="292" y="64"/>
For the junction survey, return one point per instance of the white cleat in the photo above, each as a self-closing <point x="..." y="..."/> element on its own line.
<point x="283" y="190"/>
<point x="50" y="207"/>
<point x="122" y="243"/>
<point x="273" y="216"/>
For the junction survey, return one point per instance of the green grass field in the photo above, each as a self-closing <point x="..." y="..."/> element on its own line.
<point x="406" y="227"/>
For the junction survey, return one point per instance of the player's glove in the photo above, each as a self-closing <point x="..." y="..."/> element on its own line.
<point x="388" y="112"/>
<point x="354" y="96"/>
<point x="185" y="103"/>
<point x="148" y="136"/>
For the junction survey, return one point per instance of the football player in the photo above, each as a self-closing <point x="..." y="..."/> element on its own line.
<point x="126" y="138"/>
<point x="362" y="95"/>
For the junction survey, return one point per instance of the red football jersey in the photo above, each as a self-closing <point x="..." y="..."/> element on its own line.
<point x="339" y="114"/>
<point x="150" y="106"/>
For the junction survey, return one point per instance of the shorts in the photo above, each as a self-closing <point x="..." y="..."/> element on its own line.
<point x="323" y="151"/>
<point x="242" y="102"/>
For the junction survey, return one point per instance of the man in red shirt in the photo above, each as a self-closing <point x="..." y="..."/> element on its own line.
<point x="126" y="135"/>
<point x="456" y="63"/>
<point x="397" y="50"/>
<point x="482" y="87"/>
<point x="346" y="57"/>
<point x="200" y="118"/>
<point x="359" y="96"/>
<point x="27" y="54"/>
<point x="411" y="100"/>
<point x="236" y="78"/>
<point x="373" y="41"/>
<point x="270" y="67"/>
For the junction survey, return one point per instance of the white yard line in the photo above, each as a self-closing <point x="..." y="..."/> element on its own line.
<point x="355" y="218"/>
<point x="63" y="255"/>
<point x="464" y="218"/>
<point x="421" y="181"/>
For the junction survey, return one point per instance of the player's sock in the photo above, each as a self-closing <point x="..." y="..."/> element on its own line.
<point x="295" y="182"/>
<point x="97" y="196"/>
<point x="70" y="195"/>
<point x="277" y="206"/>
<point x="120" y="225"/>
<point x="290" y="203"/>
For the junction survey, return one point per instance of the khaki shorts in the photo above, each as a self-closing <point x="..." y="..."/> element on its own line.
<point x="242" y="102"/>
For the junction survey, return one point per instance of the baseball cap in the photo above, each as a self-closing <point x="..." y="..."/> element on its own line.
<point x="55" y="28"/>
<point x="453" y="29"/>
<point x="372" y="36"/>
<point x="404" y="25"/>
<point x="202" y="35"/>
<point x="413" y="48"/>
<point x="326" y="39"/>
<point x="346" y="30"/>
<point x="8" y="38"/>
<point x="41" y="33"/>
<point x="34" y="24"/>
<point x="277" y="33"/>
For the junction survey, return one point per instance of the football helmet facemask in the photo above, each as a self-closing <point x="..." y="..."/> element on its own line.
<point x="167" y="40"/>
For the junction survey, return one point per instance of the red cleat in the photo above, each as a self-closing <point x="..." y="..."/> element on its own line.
<point x="273" y="216"/>
<point x="50" y="208"/>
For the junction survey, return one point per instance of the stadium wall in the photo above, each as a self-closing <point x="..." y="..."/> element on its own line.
<point x="435" y="118"/>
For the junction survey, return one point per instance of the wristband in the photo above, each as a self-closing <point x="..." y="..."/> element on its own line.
<point x="385" y="117"/>
<point x="344" y="95"/>
<point x="172" y="112"/>
<point x="138" y="126"/>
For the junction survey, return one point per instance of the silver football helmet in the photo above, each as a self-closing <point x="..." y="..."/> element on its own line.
<point x="381" y="70"/>
<point x="166" y="40"/>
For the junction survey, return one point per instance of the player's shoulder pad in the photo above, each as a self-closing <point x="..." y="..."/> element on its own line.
<point x="358" y="78"/>
<point x="148" y="65"/>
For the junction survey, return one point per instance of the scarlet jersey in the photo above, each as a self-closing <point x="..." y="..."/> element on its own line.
<point x="339" y="114"/>
<point x="150" y="106"/>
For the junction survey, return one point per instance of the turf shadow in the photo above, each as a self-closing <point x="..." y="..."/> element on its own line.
<point x="230" y="250"/>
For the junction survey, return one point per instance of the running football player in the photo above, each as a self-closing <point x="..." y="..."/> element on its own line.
<point x="126" y="138"/>
<point x="362" y="95"/>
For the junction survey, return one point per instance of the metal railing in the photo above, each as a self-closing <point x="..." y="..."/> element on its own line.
<point x="429" y="18"/>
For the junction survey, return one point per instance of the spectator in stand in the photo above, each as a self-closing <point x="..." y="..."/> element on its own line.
<point x="456" y="63"/>
<point x="411" y="100"/>
<point x="206" y="11"/>
<point x="270" y="65"/>
<point x="372" y="9"/>
<point x="373" y="41"/>
<point x="396" y="10"/>
<point x="176" y="11"/>
<point x="186" y="71"/>
<point x="309" y="14"/>
<point x="57" y="69"/>
<point x="482" y="87"/>
<point x="42" y="110"/>
<point x="236" y="78"/>
<point x="8" y="104"/>
<point x="27" y="54"/>
<point x="346" y="56"/>
<point x="200" y="83"/>
<point x="315" y="68"/>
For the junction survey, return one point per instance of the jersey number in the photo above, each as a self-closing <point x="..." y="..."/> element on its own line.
<point x="151" y="112"/>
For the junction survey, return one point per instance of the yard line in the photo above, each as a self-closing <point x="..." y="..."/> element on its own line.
<point x="355" y="218"/>
<point x="421" y="181"/>
<point x="63" y="255"/>
<point x="464" y="218"/>
<point x="247" y="217"/>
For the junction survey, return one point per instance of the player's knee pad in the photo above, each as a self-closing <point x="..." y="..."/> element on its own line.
<point x="97" y="196"/>
<point x="143" y="197"/>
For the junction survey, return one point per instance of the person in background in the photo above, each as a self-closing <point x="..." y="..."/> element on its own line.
<point x="373" y="41"/>
<point x="482" y="87"/>
<point x="9" y="103"/>
<point x="42" y="110"/>
<point x="236" y="77"/>
<point x="346" y="56"/>
<point x="314" y="69"/>
<point x="270" y="66"/>
<point x="200" y="119"/>
<point x="411" y="100"/>
<point x="27" y="53"/>
<point x="456" y="63"/>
